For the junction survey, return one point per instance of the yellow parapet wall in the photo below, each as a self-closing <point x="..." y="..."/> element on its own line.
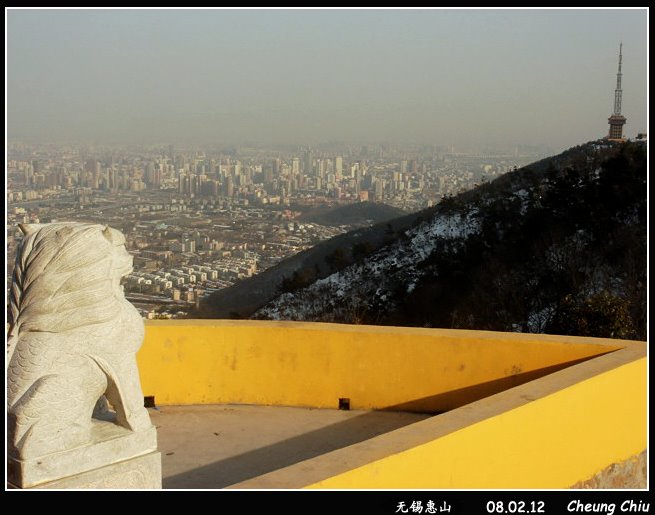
<point x="552" y="442"/>
<point x="315" y="364"/>
<point x="522" y="411"/>
<point x="555" y="432"/>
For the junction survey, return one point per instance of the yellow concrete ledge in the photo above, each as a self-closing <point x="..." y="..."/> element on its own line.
<point x="315" y="364"/>
<point x="551" y="442"/>
<point x="553" y="432"/>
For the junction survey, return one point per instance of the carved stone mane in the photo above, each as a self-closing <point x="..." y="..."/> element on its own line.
<point x="72" y="339"/>
<point x="48" y="292"/>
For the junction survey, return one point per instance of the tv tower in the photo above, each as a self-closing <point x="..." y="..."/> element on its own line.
<point x="617" y="120"/>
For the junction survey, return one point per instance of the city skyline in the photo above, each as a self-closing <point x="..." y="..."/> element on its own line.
<point x="198" y="222"/>
<point x="447" y="77"/>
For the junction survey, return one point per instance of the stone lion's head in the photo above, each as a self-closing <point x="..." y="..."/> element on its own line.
<point x="67" y="275"/>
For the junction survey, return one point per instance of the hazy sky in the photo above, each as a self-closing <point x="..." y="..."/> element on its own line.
<point x="488" y="77"/>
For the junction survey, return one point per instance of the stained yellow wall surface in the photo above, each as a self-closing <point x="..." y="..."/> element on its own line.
<point x="303" y="364"/>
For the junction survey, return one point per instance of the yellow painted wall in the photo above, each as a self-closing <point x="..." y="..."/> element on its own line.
<point x="552" y="442"/>
<point x="311" y="364"/>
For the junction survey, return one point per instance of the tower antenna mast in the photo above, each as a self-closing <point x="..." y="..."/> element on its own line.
<point x="617" y="120"/>
<point x="618" y="93"/>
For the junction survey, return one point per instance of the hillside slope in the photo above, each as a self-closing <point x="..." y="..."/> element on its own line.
<point x="558" y="247"/>
<point x="245" y="297"/>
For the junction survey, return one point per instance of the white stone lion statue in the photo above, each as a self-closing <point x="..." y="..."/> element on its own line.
<point x="72" y="338"/>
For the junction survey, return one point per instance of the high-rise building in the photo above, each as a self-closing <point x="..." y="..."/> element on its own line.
<point x="379" y="189"/>
<point x="229" y="186"/>
<point x="338" y="167"/>
<point x="308" y="162"/>
<point x="268" y="175"/>
<point x="111" y="179"/>
<point x="321" y="167"/>
<point x="29" y="174"/>
<point x="183" y="184"/>
<point x="617" y="120"/>
<point x="150" y="173"/>
<point x="193" y="185"/>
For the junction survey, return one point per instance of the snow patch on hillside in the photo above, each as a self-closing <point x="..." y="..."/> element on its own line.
<point x="376" y="278"/>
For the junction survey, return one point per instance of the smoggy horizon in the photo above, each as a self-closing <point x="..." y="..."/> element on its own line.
<point x="445" y="77"/>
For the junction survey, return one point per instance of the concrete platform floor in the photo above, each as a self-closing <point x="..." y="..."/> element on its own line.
<point x="214" y="446"/>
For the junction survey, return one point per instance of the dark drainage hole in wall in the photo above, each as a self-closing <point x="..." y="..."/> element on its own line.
<point x="344" y="403"/>
<point x="149" y="401"/>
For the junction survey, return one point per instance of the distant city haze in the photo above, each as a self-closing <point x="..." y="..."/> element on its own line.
<point x="445" y="77"/>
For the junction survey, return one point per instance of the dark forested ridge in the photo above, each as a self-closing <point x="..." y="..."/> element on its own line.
<point x="555" y="247"/>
